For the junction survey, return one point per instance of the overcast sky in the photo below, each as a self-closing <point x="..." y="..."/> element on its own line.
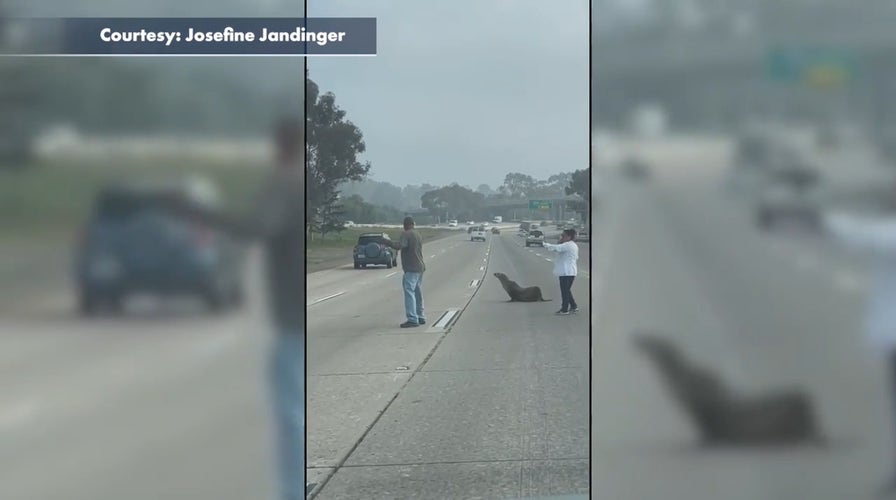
<point x="465" y="90"/>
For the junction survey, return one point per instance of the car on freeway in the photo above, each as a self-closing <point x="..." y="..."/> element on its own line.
<point x="535" y="238"/>
<point x="793" y="195"/>
<point x="478" y="234"/>
<point x="369" y="251"/>
<point x="756" y="159"/>
<point x="485" y="224"/>
<point x="471" y="223"/>
<point x="583" y="235"/>
<point x="496" y="230"/>
<point x="452" y="223"/>
<point x="136" y="242"/>
<point x="524" y="226"/>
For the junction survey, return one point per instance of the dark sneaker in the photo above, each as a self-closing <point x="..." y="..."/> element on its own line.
<point x="574" y="310"/>
<point x="408" y="324"/>
<point x="422" y="321"/>
<point x="561" y="312"/>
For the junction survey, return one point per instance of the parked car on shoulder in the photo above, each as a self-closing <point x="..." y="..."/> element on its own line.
<point x="135" y="241"/>
<point x="369" y="251"/>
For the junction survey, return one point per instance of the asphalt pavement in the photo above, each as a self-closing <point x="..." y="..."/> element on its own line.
<point x="488" y="400"/>
<point x="166" y="401"/>
<point x="681" y="257"/>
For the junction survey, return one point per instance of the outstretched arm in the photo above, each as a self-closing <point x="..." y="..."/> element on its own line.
<point x="863" y="233"/>
<point x="275" y="208"/>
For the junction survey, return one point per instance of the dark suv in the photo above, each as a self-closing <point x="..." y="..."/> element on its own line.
<point x="369" y="251"/>
<point x="134" y="242"/>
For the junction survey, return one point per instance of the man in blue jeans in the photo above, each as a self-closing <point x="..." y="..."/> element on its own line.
<point x="411" y="246"/>
<point x="278" y="222"/>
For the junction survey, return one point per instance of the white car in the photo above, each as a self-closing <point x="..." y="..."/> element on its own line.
<point x="478" y="234"/>
<point x="452" y="223"/>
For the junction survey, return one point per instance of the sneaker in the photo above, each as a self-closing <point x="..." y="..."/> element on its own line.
<point x="408" y="324"/>
<point x="561" y="312"/>
<point x="421" y="321"/>
<point x="574" y="310"/>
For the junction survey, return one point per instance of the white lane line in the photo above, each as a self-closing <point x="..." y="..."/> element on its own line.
<point x="446" y="318"/>
<point x="391" y="274"/>
<point x="328" y="297"/>
<point x="474" y="283"/>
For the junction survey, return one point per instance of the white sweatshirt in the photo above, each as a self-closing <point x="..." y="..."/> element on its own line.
<point x="877" y="237"/>
<point x="567" y="255"/>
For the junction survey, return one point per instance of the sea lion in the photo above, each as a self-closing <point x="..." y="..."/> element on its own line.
<point x="518" y="293"/>
<point x="723" y="417"/>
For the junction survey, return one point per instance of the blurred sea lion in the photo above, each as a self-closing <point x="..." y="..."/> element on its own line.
<point x="723" y="417"/>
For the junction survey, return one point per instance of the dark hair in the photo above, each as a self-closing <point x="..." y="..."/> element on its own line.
<point x="408" y="221"/>
<point x="571" y="233"/>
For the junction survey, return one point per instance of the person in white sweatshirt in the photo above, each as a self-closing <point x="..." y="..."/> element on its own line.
<point x="875" y="236"/>
<point x="565" y="268"/>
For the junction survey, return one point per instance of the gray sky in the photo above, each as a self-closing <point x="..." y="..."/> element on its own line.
<point x="465" y="91"/>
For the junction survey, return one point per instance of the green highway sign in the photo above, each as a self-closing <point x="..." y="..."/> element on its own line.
<point x="540" y="205"/>
<point x="815" y="67"/>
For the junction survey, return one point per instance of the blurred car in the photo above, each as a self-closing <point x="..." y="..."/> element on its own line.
<point x="485" y="224"/>
<point x="470" y="223"/>
<point x="496" y="230"/>
<point x="635" y="169"/>
<point x="369" y="251"/>
<point x="478" y="234"/>
<point x="471" y="229"/>
<point x="135" y="242"/>
<point x="535" y="238"/>
<point x="583" y="235"/>
<point x="349" y="223"/>
<point x="792" y="195"/>
<point x="758" y="161"/>
<point x="452" y="223"/>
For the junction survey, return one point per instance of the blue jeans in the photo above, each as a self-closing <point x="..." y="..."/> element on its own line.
<point x="288" y="387"/>
<point x="413" y="296"/>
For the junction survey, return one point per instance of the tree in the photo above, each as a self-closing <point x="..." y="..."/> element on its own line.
<point x="579" y="183"/>
<point x="453" y="201"/>
<point x="334" y="144"/>
<point x="518" y="185"/>
<point x="329" y="217"/>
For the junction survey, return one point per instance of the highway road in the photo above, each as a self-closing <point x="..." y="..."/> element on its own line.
<point x="495" y="405"/>
<point x="165" y="402"/>
<point x="681" y="257"/>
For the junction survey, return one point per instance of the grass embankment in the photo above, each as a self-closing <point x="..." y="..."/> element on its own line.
<point x="336" y="249"/>
<point x="50" y="200"/>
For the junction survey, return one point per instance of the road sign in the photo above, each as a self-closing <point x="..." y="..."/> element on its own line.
<point x="815" y="67"/>
<point x="540" y="205"/>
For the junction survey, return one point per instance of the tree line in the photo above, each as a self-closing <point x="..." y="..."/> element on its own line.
<point x="339" y="188"/>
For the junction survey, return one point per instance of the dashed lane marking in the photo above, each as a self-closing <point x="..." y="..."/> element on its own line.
<point x="328" y="297"/>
